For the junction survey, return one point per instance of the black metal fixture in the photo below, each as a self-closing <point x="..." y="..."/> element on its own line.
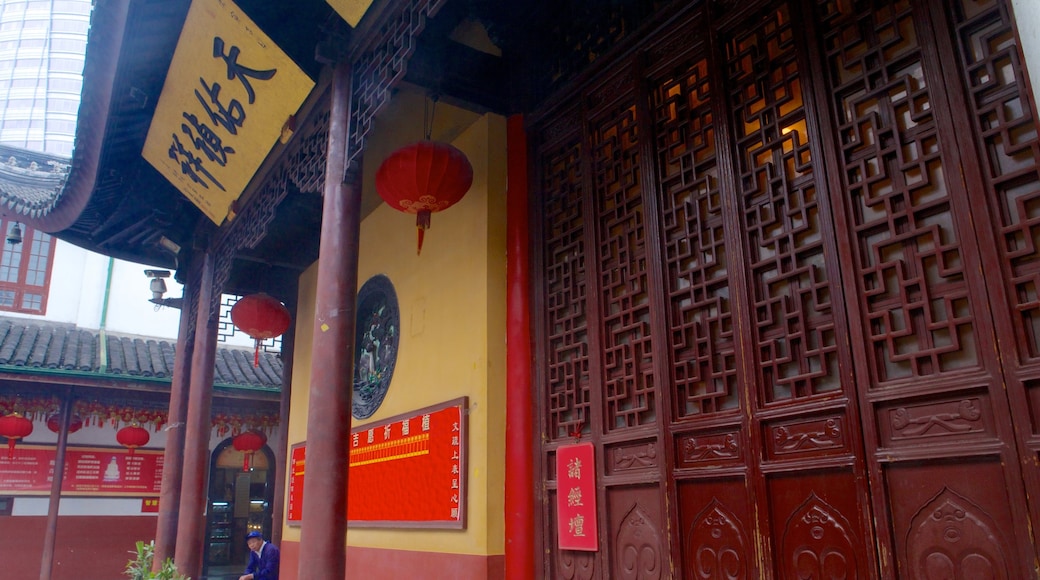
<point x="14" y="235"/>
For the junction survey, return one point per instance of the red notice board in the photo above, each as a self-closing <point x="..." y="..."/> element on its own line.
<point x="89" y="471"/>
<point x="408" y="471"/>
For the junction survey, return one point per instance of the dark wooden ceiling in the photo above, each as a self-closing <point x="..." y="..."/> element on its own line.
<point x="132" y="208"/>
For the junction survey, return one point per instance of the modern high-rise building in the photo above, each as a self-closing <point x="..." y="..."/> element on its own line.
<point x="42" y="53"/>
<point x="42" y="44"/>
<point x="42" y="48"/>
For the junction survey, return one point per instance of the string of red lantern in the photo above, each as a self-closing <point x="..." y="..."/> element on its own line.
<point x="261" y="317"/>
<point x="422" y="178"/>
<point x="54" y="423"/>
<point x="97" y="414"/>
<point x="14" y="427"/>
<point x="133" y="436"/>
<point x="248" y="442"/>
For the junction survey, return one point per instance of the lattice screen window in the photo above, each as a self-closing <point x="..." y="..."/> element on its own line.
<point x="568" y="395"/>
<point x="915" y="295"/>
<point x="226" y="331"/>
<point x="793" y="321"/>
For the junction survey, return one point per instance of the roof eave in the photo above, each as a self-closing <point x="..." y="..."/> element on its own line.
<point x="108" y="26"/>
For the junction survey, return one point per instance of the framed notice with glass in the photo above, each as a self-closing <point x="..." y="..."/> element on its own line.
<point x="407" y="471"/>
<point x="89" y="471"/>
<point x="576" y="497"/>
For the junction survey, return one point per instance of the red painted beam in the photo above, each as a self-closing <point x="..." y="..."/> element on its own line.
<point x="520" y="441"/>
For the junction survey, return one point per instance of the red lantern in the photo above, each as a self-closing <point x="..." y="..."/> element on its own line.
<point x="14" y="427"/>
<point x="54" y="423"/>
<point x="248" y="442"/>
<point x="422" y="178"/>
<point x="133" y="436"/>
<point x="261" y="317"/>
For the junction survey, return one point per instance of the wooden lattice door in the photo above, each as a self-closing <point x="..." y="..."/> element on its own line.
<point x="762" y="236"/>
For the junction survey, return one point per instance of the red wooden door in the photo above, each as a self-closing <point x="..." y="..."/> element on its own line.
<point x="788" y="293"/>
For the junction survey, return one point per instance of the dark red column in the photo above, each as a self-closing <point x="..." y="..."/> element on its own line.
<point x="282" y="448"/>
<point x="191" y="519"/>
<point x="51" y="534"/>
<point x="520" y="441"/>
<point x="324" y="527"/>
<point x="173" y="456"/>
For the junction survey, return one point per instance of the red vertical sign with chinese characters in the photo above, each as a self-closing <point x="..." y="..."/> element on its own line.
<point x="297" y="459"/>
<point x="576" y="497"/>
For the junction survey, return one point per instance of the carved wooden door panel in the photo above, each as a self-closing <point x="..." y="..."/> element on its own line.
<point x="761" y="236"/>
<point x="597" y="330"/>
<point x="924" y="99"/>
<point x="769" y="466"/>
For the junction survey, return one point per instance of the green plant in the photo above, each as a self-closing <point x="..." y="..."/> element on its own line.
<point x="140" y="568"/>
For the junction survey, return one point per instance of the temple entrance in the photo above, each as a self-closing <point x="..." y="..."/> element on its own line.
<point x="240" y="501"/>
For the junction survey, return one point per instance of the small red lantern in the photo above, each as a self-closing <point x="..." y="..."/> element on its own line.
<point x="422" y="178"/>
<point x="261" y="317"/>
<point x="133" y="436"/>
<point x="248" y="442"/>
<point x="14" y="427"/>
<point x="54" y="423"/>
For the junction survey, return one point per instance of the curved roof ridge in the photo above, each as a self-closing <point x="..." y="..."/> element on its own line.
<point x="59" y="210"/>
<point x="31" y="182"/>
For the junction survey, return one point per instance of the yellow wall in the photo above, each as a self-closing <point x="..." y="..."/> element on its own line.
<point x="452" y="306"/>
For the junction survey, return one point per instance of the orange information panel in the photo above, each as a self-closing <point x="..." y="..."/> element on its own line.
<point x="405" y="471"/>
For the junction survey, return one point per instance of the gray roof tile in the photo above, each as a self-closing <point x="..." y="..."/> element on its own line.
<point x="30" y="181"/>
<point x="52" y="345"/>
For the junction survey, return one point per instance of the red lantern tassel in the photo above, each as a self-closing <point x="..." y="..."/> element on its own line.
<point x="245" y="460"/>
<point x="422" y="223"/>
<point x="10" y="447"/>
<point x="256" y="355"/>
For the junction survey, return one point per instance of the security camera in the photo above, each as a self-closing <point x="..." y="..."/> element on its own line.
<point x="157" y="284"/>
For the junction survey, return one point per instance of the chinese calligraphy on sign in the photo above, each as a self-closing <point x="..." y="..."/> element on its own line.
<point x="576" y="497"/>
<point x="405" y="471"/>
<point x="228" y="93"/>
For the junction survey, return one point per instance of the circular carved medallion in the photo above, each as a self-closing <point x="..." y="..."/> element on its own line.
<point x="375" y="344"/>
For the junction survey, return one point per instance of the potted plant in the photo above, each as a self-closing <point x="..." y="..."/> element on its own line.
<point x="140" y="568"/>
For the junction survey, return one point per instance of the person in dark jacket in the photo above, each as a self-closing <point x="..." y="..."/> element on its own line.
<point x="263" y="558"/>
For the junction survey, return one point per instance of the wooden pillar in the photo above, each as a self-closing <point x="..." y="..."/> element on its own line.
<point x="520" y="441"/>
<point x="324" y="527"/>
<point x="51" y="534"/>
<point x="191" y="516"/>
<point x="173" y="456"/>
<point x="281" y="451"/>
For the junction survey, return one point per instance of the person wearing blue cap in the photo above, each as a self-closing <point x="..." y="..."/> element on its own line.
<point x="263" y="558"/>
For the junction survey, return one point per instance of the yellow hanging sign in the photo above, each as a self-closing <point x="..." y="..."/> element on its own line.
<point x="350" y="10"/>
<point x="228" y="93"/>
